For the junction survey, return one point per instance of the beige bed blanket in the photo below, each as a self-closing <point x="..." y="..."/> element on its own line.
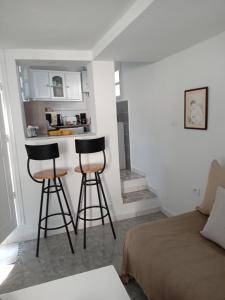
<point x="171" y="260"/>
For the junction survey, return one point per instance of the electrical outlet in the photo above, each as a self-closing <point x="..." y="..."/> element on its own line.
<point x="196" y="191"/>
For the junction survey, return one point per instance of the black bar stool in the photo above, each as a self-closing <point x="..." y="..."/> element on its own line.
<point x="86" y="147"/>
<point x="47" y="152"/>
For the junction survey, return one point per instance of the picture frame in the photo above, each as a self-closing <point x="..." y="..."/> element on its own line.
<point x="196" y="108"/>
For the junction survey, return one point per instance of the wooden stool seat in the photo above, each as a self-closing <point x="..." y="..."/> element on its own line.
<point x="89" y="168"/>
<point x="49" y="174"/>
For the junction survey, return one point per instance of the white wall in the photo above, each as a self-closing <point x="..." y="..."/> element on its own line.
<point x="103" y="103"/>
<point x="176" y="160"/>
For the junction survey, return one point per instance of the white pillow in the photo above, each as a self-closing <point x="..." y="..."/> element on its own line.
<point x="214" y="229"/>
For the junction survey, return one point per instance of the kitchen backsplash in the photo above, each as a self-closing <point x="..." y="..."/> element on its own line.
<point x="67" y="110"/>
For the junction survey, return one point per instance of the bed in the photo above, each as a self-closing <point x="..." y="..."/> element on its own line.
<point x="171" y="260"/>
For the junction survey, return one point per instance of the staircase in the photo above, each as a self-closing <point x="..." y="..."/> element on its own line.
<point x="134" y="187"/>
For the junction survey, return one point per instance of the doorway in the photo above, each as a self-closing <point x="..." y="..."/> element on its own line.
<point x="8" y="219"/>
<point x="134" y="183"/>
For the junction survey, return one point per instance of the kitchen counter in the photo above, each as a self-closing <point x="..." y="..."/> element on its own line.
<point x="70" y="126"/>
<point x="47" y="137"/>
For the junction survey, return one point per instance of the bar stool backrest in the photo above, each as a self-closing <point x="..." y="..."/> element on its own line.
<point x="42" y="152"/>
<point x="88" y="146"/>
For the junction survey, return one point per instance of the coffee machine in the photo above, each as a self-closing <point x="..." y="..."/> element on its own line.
<point x="83" y="118"/>
<point x="54" y="119"/>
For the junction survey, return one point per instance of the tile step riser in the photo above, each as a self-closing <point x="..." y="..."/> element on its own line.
<point x="134" y="185"/>
<point x="138" y="196"/>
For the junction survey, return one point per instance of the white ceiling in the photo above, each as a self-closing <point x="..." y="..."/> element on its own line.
<point x="120" y="30"/>
<point x="166" y="27"/>
<point x="57" y="24"/>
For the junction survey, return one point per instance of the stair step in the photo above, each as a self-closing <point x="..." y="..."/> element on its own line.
<point x="129" y="175"/>
<point x="131" y="181"/>
<point x="138" y="196"/>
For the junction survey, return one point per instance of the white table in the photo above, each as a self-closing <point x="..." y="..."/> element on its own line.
<point x="98" y="284"/>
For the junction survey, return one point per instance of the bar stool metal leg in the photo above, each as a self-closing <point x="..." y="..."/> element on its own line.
<point x="85" y="195"/>
<point x="80" y="199"/>
<point x="99" y="198"/>
<point x="63" y="215"/>
<point x="106" y="205"/>
<point x="67" y="205"/>
<point x="47" y="205"/>
<point x="40" y="216"/>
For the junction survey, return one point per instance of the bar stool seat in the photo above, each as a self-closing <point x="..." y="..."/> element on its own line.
<point x="89" y="168"/>
<point x="49" y="174"/>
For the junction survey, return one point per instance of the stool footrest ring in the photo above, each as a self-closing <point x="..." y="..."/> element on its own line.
<point x="92" y="219"/>
<point x="89" y="182"/>
<point x="58" y="227"/>
<point x="52" y="187"/>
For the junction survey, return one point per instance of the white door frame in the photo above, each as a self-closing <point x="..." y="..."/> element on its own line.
<point x="8" y="209"/>
<point x="12" y="143"/>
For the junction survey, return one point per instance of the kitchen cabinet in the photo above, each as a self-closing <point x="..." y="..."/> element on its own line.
<point x="73" y="85"/>
<point x="40" y="85"/>
<point x="56" y="85"/>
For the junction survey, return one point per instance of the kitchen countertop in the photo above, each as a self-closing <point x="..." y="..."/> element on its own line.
<point x="47" y="137"/>
<point x="70" y="126"/>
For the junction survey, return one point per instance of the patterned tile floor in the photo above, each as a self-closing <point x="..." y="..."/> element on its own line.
<point x="138" y="196"/>
<point x="56" y="260"/>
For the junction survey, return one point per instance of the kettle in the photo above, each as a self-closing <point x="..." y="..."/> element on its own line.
<point x="32" y="131"/>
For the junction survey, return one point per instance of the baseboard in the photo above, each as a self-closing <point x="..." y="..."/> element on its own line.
<point x="167" y="212"/>
<point x="137" y="214"/>
<point x="137" y="171"/>
<point x="152" y="189"/>
<point x="25" y="233"/>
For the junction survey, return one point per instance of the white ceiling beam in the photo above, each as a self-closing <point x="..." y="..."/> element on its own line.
<point x="50" y="54"/>
<point x="133" y="12"/>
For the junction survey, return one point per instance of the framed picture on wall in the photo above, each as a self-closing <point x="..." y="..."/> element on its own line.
<point x="196" y="108"/>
